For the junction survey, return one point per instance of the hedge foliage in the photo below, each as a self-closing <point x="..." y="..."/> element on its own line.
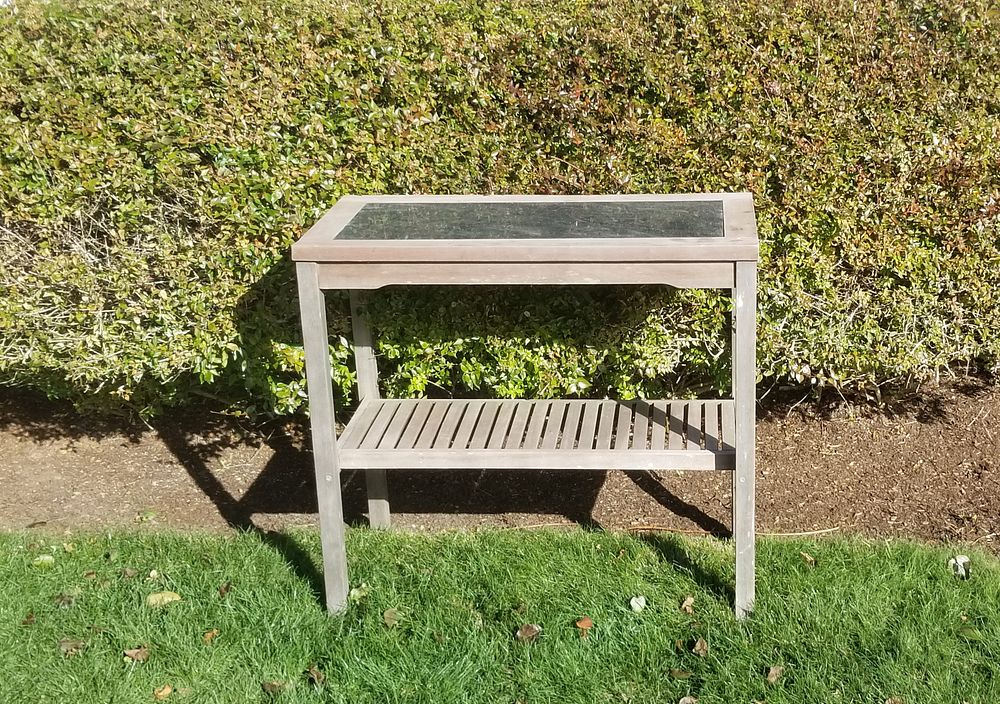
<point x="157" y="158"/>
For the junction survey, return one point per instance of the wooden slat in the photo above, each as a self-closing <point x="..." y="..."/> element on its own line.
<point x="415" y="424"/>
<point x="359" y="424"/>
<point x="571" y="426"/>
<point x="502" y="425"/>
<point x="694" y="409"/>
<point x="478" y="460"/>
<point x="539" y="412"/>
<point x="676" y="425"/>
<point x="449" y="425"/>
<point x="605" y="425"/>
<point x="485" y="425"/>
<point x="728" y="426"/>
<point x="712" y="426"/>
<point x="432" y="425"/>
<point x="658" y="434"/>
<point x="588" y="427"/>
<point x="553" y="425"/>
<point x="516" y="432"/>
<point x="640" y="426"/>
<point x="380" y="424"/>
<point x="467" y="425"/>
<point x="397" y="425"/>
<point x="624" y="425"/>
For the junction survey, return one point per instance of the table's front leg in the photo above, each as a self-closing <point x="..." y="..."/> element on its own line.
<point x="744" y="395"/>
<point x="315" y="336"/>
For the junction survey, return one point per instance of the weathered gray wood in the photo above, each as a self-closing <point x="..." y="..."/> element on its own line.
<point x="432" y="425"/>
<point x="501" y="426"/>
<point x="539" y="413"/>
<point x="588" y="427"/>
<point x="485" y="426"/>
<point x="677" y="409"/>
<point x="553" y="425"/>
<point x="359" y="424"/>
<point x="373" y="438"/>
<point x="397" y="425"/>
<point x="475" y="460"/>
<point x="449" y="425"/>
<point x="728" y="426"/>
<point x="315" y="335"/>
<point x="693" y="426"/>
<point x="468" y="424"/>
<point x="624" y="425"/>
<point x="571" y="426"/>
<point x="640" y="426"/>
<point x="517" y="426"/>
<point x="605" y="425"/>
<point x="658" y="433"/>
<point x="745" y="395"/>
<point x="415" y="425"/>
<point x="712" y="426"/>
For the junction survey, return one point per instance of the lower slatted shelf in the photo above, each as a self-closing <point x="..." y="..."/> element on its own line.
<point x="540" y="434"/>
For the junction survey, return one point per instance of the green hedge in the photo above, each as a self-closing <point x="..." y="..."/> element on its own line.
<point x="158" y="158"/>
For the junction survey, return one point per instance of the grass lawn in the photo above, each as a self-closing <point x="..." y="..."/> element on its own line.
<point x="867" y="622"/>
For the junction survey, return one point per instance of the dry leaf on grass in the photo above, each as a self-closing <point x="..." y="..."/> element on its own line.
<point x="584" y="624"/>
<point x="680" y="674"/>
<point x="208" y="636"/>
<point x="64" y="601"/>
<point x="893" y="700"/>
<point x="140" y="654"/>
<point x="29" y="620"/>
<point x="69" y="647"/>
<point x="638" y="603"/>
<point x="225" y="588"/>
<point x="775" y="673"/>
<point x="528" y="632"/>
<point x="391" y="617"/>
<point x="687" y="606"/>
<point x="160" y="599"/>
<point x="129" y="573"/>
<point x="808" y="559"/>
<point x="316" y="675"/>
<point x="688" y="700"/>
<point x="700" y="647"/>
<point x="161" y="693"/>
<point x="358" y="594"/>
<point x="90" y="574"/>
<point x="273" y="687"/>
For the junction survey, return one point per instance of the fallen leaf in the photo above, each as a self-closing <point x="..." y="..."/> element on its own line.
<point x="161" y="693"/>
<point x="688" y="700"/>
<point x="29" y="620"/>
<point x="808" y="559"/>
<point x="680" y="674"/>
<point x="69" y="547"/>
<point x="153" y="576"/>
<point x="129" y="573"/>
<point x="64" y="601"/>
<point x="960" y="566"/>
<point x="209" y="636"/>
<point x="687" y="606"/>
<point x="391" y="617"/>
<point x="225" y="588"/>
<point x="160" y="599"/>
<point x="44" y="561"/>
<point x="680" y="645"/>
<point x="70" y="647"/>
<point x="775" y="673"/>
<point x="585" y="624"/>
<point x="37" y="524"/>
<point x="528" y="632"/>
<point x="637" y="603"/>
<point x="358" y="594"/>
<point x="144" y="516"/>
<point x="273" y="687"/>
<point x="316" y="675"/>
<point x="700" y="647"/>
<point x="90" y="574"/>
<point x="140" y="654"/>
<point x="893" y="700"/>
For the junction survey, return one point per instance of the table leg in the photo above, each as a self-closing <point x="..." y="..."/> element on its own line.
<point x="315" y="335"/>
<point x="744" y="393"/>
<point x="367" y="368"/>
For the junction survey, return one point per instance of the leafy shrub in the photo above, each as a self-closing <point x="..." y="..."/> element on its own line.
<point x="157" y="159"/>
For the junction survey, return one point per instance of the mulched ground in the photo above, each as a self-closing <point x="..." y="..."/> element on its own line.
<point x="924" y="466"/>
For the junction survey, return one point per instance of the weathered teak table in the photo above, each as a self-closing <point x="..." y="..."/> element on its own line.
<point x="691" y="240"/>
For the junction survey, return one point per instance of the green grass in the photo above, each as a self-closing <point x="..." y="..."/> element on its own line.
<point x="869" y="622"/>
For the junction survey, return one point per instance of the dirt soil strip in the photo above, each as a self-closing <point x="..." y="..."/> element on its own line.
<point x="926" y="467"/>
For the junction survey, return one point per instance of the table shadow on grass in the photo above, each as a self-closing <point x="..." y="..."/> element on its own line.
<point x="678" y="554"/>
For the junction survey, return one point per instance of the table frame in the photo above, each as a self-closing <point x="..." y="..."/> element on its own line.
<point x="322" y="263"/>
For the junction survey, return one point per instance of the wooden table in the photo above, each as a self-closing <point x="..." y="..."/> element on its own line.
<point x="685" y="240"/>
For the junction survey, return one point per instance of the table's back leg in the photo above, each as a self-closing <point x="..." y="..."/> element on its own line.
<point x="315" y="335"/>
<point x="744" y="393"/>
<point x="367" y="368"/>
